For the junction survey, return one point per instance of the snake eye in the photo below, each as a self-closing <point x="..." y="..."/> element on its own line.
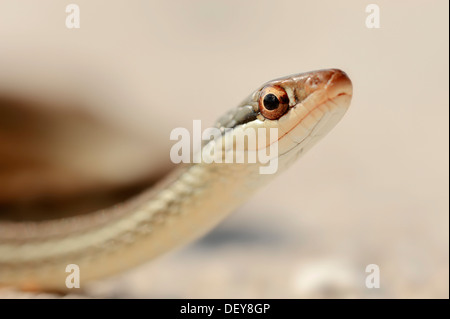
<point x="273" y="102"/>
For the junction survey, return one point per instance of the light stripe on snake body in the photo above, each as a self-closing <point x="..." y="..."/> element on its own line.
<point x="184" y="205"/>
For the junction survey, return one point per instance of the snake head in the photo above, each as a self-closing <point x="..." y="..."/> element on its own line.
<point x="316" y="102"/>
<point x="302" y="107"/>
<point x="275" y="98"/>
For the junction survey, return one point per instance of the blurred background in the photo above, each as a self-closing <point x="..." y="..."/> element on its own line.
<point x="85" y="117"/>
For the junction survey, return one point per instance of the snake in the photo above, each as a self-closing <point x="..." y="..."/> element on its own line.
<point x="186" y="203"/>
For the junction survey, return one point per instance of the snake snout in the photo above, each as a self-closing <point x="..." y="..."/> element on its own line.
<point x="336" y="82"/>
<point x="339" y="84"/>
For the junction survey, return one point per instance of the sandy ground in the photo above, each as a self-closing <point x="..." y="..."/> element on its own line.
<point x="375" y="191"/>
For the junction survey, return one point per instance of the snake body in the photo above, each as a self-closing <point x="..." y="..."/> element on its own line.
<point x="188" y="202"/>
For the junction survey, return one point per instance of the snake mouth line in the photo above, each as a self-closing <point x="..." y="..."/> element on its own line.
<point x="306" y="115"/>
<point x="315" y="125"/>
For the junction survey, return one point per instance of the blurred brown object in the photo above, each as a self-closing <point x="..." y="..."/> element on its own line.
<point x="56" y="161"/>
